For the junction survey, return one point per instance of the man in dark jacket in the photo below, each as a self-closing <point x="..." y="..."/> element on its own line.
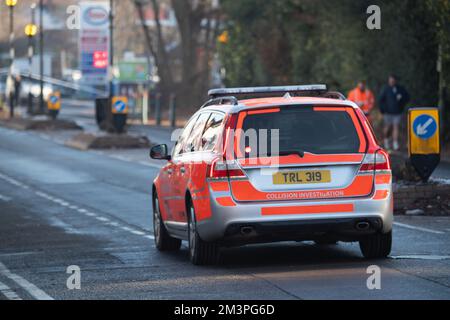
<point x="392" y="101"/>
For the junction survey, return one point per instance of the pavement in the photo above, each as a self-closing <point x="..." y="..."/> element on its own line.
<point x="61" y="207"/>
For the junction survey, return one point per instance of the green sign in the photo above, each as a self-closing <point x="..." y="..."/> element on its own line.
<point x="133" y="71"/>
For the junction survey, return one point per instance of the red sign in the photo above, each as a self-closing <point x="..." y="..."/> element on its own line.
<point x="100" y="59"/>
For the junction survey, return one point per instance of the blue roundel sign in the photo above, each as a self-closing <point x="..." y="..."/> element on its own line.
<point x="425" y="127"/>
<point x="120" y="106"/>
<point x="54" y="99"/>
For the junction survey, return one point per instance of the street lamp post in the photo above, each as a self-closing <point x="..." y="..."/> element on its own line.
<point x="30" y="32"/>
<point x="41" y="57"/>
<point x="11" y="4"/>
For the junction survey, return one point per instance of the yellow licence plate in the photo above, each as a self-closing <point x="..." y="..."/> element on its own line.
<point x="302" y="177"/>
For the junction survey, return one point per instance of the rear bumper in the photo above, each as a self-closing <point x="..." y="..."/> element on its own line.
<point x="348" y="229"/>
<point x="226" y="222"/>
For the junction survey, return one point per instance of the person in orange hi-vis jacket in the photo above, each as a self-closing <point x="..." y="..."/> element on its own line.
<point x="363" y="97"/>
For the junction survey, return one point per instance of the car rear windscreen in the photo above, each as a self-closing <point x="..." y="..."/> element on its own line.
<point x="304" y="129"/>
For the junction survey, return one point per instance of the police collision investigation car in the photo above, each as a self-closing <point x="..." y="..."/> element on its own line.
<point x="267" y="164"/>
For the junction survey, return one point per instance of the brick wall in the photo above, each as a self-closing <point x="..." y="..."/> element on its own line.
<point x="406" y="195"/>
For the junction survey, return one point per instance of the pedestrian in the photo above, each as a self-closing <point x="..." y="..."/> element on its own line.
<point x="363" y="97"/>
<point x="392" y="101"/>
<point x="10" y="93"/>
<point x="17" y="88"/>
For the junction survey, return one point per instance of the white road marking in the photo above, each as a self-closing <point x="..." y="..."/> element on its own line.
<point x="137" y="232"/>
<point x="90" y="214"/>
<point x="126" y="228"/>
<point x="75" y="208"/>
<point x="113" y="224"/>
<point x="421" y="257"/>
<point x="11" y="180"/>
<point x="34" y="291"/>
<point x="41" y="194"/>
<point x="407" y="226"/>
<point x="8" y="293"/>
<point x="5" y="198"/>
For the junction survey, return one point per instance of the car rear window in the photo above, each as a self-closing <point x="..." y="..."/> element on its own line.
<point x="318" y="130"/>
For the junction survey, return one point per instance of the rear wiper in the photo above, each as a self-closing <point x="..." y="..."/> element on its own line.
<point x="300" y="153"/>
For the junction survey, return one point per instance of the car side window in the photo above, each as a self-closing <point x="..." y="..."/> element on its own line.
<point x="183" y="137"/>
<point x="193" y="141"/>
<point x="212" y="132"/>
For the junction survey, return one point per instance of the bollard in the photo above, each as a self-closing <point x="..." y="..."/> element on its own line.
<point x="30" y="103"/>
<point x="172" y="111"/>
<point x="119" y="110"/>
<point x="54" y="104"/>
<point x="158" y="109"/>
<point x="145" y="107"/>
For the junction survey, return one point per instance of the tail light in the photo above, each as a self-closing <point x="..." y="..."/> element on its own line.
<point x="221" y="168"/>
<point x="378" y="161"/>
<point x="224" y="169"/>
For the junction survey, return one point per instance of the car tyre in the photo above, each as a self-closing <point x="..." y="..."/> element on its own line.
<point x="163" y="241"/>
<point x="200" y="252"/>
<point x="376" y="246"/>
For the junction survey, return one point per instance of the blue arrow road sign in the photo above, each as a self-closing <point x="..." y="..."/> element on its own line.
<point x="425" y="127"/>
<point x="54" y="99"/>
<point x="120" y="106"/>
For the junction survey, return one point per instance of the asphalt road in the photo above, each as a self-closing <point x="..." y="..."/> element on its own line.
<point x="61" y="207"/>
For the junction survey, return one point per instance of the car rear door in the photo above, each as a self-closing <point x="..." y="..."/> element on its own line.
<point x="169" y="185"/>
<point x="300" y="153"/>
<point x="185" y="163"/>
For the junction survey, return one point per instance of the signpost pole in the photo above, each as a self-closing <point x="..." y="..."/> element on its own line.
<point x="111" y="60"/>
<point x="30" y="59"/>
<point x="96" y="58"/>
<point x="41" y="57"/>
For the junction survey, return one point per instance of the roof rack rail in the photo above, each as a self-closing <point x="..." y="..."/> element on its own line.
<point x="221" y="101"/>
<point x="319" y="89"/>
<point x="334" y="95"/>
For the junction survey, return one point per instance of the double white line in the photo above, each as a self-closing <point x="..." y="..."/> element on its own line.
<point x="30" y="288"/>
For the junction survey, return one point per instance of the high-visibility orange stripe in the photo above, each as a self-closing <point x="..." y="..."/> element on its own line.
<point x="239" y="129"/>
<point x="264" y="111"/>
<point x="336" y="208"/>
<point x="361" y="135"/>
<point x="220" y="186"/>
<point x="381" y="195"/>
<point x="324" y="109"/>
<point x="245" y="191"/>
<point x="309" y="158"/>
<point x="203" y="209"/>
<point x="383" y="179"/>
<point x="226" y="202"/>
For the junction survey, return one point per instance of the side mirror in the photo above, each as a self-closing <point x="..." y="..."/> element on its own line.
<point x="160" y="152"/>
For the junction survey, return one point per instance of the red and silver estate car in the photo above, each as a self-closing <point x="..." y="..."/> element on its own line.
<point x="258" y="165"/>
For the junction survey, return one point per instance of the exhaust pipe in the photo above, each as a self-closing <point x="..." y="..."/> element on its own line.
<point x="246" y="231"/>
<point x="363" y="226"/>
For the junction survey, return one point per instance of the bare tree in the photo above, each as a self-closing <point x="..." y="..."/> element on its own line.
<point x="197" y="26"/>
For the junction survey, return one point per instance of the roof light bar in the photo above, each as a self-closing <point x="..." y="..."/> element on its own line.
<point x="215" y="93"/>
